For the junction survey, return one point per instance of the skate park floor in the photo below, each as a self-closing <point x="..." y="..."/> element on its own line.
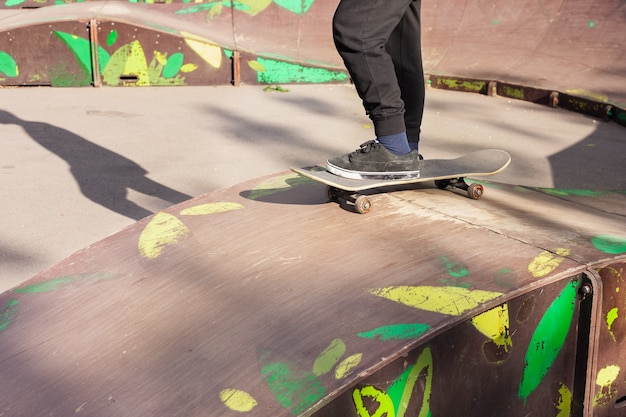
<point x="79" y="164"/>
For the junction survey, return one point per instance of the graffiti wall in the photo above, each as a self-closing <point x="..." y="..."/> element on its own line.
<point x="608" y="381"/>
<point x="513" y="360"/>
<point x="168" y="44"/>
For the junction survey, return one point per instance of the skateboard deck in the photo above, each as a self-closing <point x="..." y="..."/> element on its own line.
<point x="445" y="172"/>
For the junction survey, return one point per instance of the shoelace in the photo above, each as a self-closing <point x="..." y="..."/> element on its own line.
<point x="366" y="147"/>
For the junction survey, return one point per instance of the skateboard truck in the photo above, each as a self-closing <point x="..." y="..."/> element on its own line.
<point x="474" y="190"/>
<point x="362" y="203"/>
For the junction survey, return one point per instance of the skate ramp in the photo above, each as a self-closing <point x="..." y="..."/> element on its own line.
<point x="264" y="299"/>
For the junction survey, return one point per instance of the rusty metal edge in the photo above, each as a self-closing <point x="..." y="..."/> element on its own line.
<point x="556" y="99"/>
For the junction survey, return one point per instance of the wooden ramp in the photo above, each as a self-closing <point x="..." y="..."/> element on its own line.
<point x="264" y="299"/>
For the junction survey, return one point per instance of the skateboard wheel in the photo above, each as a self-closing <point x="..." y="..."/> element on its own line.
<point x="441" y="184"/>
<point x="362" y="204"/>
<point x="332" y="193"/>
<point x="475" y="191"/>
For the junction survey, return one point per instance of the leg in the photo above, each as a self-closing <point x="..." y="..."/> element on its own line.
<point x="404" y="46"/>
<point x="361" y="29"/>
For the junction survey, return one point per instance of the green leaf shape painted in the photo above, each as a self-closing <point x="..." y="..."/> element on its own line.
<point x="81" y="48"/>
<point x="172" y="67"/>
<point x="613" y="245"/>
<point x="295" y="6"/>
<point x="8" y="66"/>
<point x="11" y="3"/>
<point x="280" y="72"/>
<point x="396" y="332"/>
<point x="112" y="38"/>
<point x="8" y="313"/>
<point x="277" y="185"/>
<point x="548" y="339"/>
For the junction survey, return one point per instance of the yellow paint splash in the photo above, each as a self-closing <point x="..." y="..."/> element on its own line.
<point x="130" y="59"/>
<point x="546" y="262"/>
<point x="611" y="316"/>
<point x="188" y="68"/>
<point x="208" y="51"/>
<point x="164" y="229"/>
<point x="329" y="357"/>
<point x="450" y="300"/>
<point x="564" y="404"/>
<point x="607" y="375"/>
<point x="237" y="400"/>
<point x="255" y="65"/>
<point x="347" y="365"/>
<point x="385" y="404"/>
<point x="605" y="378"/>
<point x="495" y="325"/>
<point x="211" y="208"/>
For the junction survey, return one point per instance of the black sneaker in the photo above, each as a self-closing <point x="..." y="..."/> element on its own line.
<point x="373" y="161"/>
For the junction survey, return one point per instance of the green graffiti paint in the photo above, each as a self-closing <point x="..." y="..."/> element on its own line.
<point x="295" y="6"/>
<point x="198" y="8"/>
<point x="463" y="85"/>
<point x="13" y="3"/>
<point x="401" y="390"/>
<point x="8" y="66"/>
<point x="505" y="278"/>
<point x="329" y="357"/>
<point x="396" y="332"/>
<point x="571" y="192"/>
<point x="81" y="48"/>
<point x="270" y="71"/>
<point x="613" y="245"/>
<point x="276" y="185"/>
<point x="112" y="38"/>
<point x="61" y="282"/>
<point x="173" y="64"/>
<point x="513" y="92"/>
<point x="395" y="402"/>
<point x="296" y="392"/>
<point x="8" y="313"/>
<point x="547" y="340"/>
<point x="455" y="269"/>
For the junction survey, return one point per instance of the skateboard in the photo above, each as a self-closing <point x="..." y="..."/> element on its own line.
<point x="444" y="172"/>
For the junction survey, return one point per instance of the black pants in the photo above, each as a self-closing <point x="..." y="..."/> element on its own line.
<point x="379" y="41"/>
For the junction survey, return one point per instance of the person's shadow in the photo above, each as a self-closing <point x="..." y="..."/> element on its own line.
<point x="102" y="175"/>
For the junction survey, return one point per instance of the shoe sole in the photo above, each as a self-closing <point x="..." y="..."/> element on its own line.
<point x="365" y="175"/>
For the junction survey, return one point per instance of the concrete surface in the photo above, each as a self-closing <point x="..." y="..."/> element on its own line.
<point x="79" y="164"/>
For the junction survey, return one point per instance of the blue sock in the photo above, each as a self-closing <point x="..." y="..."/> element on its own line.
<point x="398" y="143"/>
<point x="414" y="146"/>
